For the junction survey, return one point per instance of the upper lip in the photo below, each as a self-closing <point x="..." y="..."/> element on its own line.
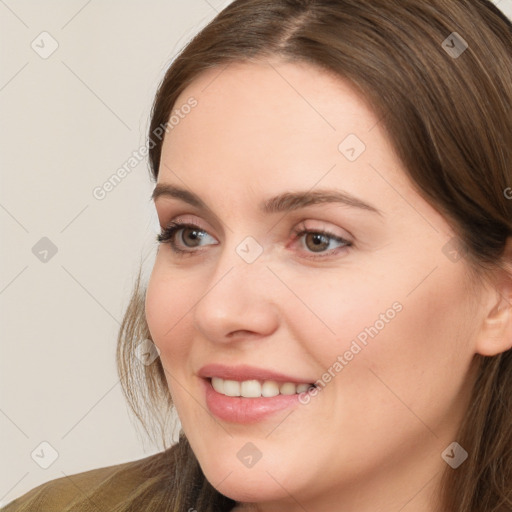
<point x="246" y="372"/>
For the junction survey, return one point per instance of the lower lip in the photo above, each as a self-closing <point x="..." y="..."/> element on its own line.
<point x="245" y="410"/>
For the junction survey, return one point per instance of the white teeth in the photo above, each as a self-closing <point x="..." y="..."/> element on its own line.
<point x="231" y="388"/>
<point x="256" y="388"/>
<point x="218" y="384"/>
<point x="250" y="389"/>
<point x="269" y="388"/>
<point x="287" y="388"/>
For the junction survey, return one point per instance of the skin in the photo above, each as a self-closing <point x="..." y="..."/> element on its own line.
<point x="372" y="438"/>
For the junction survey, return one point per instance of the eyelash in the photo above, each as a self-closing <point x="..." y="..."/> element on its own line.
<point x="167" y="237"/>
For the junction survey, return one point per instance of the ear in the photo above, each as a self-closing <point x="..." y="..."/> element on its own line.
<point x="495" y="335"/>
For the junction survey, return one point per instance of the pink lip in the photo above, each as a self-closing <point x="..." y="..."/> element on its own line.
<point x="245" y="410"/>
<point x="241" y="409"/>
<point x="245" y="372"/>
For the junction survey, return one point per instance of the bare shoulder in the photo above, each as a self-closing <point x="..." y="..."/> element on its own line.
<point x="97" y="489"/>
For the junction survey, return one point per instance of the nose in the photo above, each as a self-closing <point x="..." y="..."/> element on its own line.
<point x="240" y="300"/>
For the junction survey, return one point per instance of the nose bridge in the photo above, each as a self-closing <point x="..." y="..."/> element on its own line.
<point x="245" y="255"/>
<point x="238" y="295"/>
<point x="242" y="267"/>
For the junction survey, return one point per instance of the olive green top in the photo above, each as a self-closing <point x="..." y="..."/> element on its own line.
<point x="106" y="489"/>
<point x="168" y="481"/>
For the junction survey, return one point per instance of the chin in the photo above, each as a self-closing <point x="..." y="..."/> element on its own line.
<point x="241" y="487"/>
<point x="256" y="484"/>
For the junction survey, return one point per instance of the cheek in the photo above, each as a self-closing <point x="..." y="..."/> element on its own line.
<point x="339" y="311"/>
<point x="426" y="352"/>
<point x="167" y="305"/>
<point x="382" y="338"/>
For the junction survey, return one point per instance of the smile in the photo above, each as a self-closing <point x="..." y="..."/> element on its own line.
<point x="257" y="388"/>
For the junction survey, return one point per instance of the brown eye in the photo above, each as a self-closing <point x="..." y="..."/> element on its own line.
<point x="190" y="236"/>
<point x="316" y="241"/>
<point x="193" y="234"/>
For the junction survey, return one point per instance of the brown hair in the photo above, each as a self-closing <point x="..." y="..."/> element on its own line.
<point x="449" y="120"/>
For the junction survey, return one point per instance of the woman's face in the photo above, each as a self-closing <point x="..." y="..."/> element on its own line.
<point x="382" y="318"/>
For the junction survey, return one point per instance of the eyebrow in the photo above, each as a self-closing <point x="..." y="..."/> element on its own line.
<point x="284" y="202"/>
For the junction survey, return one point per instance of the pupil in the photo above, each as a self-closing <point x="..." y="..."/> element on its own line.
<point x="193" y="234"/>
<point x="318" y="239"/>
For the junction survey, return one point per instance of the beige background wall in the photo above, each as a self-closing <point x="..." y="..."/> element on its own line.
<point x="69" y="119"/>
<point x="68" y="122"/>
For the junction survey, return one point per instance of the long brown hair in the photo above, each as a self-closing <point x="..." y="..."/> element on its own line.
<point x="448" y="117"/>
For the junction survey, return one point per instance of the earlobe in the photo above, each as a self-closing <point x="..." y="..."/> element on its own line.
<point x="495" y="336"/>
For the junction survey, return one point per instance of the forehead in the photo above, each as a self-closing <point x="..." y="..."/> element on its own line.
<point x="251" y="103"/>
<point x="281" y="95"/>
<point x="274" y="125"/>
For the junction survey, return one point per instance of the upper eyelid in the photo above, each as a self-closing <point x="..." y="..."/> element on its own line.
<point x="184" y="218"/>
